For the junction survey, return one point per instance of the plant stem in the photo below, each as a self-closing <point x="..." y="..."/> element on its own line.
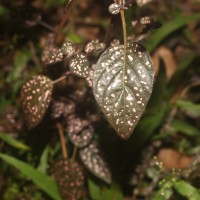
<point x="124" y="27"/>
<point x="74" y="153"/>
<point x="59" y="79"/>
<point x="62" y="140"/>
<point x="123" y="21"/>
<point x="47" y="26"/>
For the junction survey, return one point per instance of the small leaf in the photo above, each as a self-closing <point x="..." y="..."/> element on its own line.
<point x="35" y="98"/>
<point x="43" y="181"/>
<point x="79" y="65"/>
<point x="122" y="85"/>
<point x="68" y="49"/>
<point x="52" y="55"/>
<point x="61" y="108"/>
<point x="114" y="8"/>
<point x="83" y="138"/>
<point x="94" y="46"/>
<point x="95" y="163"/>
<point x="79" y="131"/>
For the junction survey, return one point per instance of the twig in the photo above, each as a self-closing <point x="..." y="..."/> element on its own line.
<point x="62" y="140"/>
<point x="47" y="26"/>
<point x="74" y="153"/>
<point x="65" y="17"/>
<point x="59" y="79"/>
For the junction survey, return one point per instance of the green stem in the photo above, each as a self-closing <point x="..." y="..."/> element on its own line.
<point x="62" y="140"/>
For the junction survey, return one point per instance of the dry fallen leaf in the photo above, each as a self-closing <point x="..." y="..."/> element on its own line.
<point x="168" y="58"/>
<point x="173" y="159"/>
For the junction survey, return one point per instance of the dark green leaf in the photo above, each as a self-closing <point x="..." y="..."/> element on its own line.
<point x="40" y="179"/>
<point x="94" y="161"/>
<point x="122" y="85"/>
<point x="13" y="142"/>
<point x="35" y="98"/>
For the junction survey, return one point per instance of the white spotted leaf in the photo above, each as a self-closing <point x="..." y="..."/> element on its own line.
<point x="93" y="160"/>
<point x="94" y="46"/>
<point x="79" y="131"/>
<point x="114" y="8"/>
<point x="67" y="48"/>
<point x="122" y="85"/>
<point x="35" y="97"/>
<point x="79" y="65"/>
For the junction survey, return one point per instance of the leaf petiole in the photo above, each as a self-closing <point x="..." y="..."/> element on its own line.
<point x="123" y="24"/>
<point x="59" y="79"/>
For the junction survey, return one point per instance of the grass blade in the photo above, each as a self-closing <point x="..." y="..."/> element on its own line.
<point x="168" y="28"/>
<point x="47" y="184"/>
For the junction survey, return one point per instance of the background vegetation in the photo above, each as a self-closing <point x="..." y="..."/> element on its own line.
<point x="161" y="159"/>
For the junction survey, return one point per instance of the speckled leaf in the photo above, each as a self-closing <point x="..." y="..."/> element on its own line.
<point x="79" y="131"/>
<point x="94" y="161"/>
<point x="52" y="55"/>
<point x="68" y="49"/>
<point x="79" y="65"/>
<point x="94" y="46"/>
<point x="83" y="138"/>
<point x="122" y="85"/>
<point x="35" y="98"/>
